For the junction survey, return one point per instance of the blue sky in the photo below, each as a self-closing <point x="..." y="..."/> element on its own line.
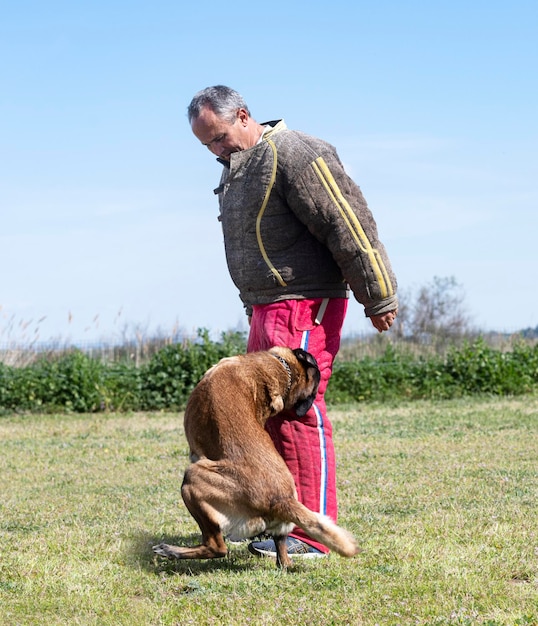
<point x="108" y="216"/>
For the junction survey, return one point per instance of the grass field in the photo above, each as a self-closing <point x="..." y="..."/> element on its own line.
<point x="443" y="498"/>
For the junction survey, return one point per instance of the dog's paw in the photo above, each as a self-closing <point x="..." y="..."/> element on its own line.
<point x="163" y="549"/>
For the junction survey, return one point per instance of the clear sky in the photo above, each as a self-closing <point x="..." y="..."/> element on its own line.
<point x="108" y="217"/>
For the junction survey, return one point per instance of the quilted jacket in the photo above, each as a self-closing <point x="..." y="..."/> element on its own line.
<point x="296" y="226"/>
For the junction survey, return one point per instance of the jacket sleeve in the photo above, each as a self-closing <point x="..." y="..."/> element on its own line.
<point x="334" y="210"/>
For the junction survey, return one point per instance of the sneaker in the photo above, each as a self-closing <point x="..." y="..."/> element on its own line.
<point x="296" y="548"/>
<point x="238" y="541"/>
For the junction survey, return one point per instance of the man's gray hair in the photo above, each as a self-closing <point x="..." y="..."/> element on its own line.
<point x="222" y="100"/>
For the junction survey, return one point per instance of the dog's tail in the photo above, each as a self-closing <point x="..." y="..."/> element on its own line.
<point x="321" y="528"/>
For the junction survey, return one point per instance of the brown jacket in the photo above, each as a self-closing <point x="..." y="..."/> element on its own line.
<point x="296" y="226"/>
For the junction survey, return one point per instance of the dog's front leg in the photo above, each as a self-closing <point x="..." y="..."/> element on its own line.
<point x="282" y="557"/>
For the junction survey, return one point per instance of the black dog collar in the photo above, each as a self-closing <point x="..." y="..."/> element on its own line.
<point x="286" y="367"/>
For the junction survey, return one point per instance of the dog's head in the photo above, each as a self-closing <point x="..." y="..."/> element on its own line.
<point x="304" y="381"/>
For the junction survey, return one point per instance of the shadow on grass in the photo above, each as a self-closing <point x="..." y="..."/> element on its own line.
<point x="140" y="554"/>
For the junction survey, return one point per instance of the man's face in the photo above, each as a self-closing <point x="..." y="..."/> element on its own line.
<point x="219" y="136"/>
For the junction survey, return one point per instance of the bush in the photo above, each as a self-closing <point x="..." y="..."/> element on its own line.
<point x="121" y="387"/>
<point x="68" y="383"/>
<point x="76" y="382"/>
<point x="475" y="368"/>
<point x="171" y="375"/>
<point x="368" y="379"/>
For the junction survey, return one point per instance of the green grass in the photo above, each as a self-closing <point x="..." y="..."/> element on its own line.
<point x="443" y="498"/>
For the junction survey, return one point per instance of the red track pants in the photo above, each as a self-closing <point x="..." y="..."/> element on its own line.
<point x="305" y="443"/>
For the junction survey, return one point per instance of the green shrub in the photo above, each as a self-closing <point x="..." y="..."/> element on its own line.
<point x="121" y="387"/>
<point x="68" y="383"/>
<point x="472" y="369"/>
<point x="478" y="368"/>
<point x="428" y="379"/>
<point x="391" y="376"/>
<point x="171" y="375"/>
<point x="7" y="376"/>
<point x="76" y="382"/>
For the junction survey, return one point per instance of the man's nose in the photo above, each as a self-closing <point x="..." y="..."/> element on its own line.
<point x="216" y="148"/>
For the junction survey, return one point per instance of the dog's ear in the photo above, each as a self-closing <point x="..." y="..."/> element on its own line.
<point x="312" y="375"/>
<point x="305" y="358"/>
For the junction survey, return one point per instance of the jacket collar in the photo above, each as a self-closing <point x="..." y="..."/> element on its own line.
<point x="275" y="126"/>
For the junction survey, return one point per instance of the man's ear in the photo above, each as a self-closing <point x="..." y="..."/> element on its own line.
<point x="243" y="116"/>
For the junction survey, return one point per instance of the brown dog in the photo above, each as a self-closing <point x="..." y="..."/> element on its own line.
<point x="237" y="483"/>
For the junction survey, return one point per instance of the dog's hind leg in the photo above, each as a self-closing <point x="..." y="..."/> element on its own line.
<point x="212" y="546"/>
<point x="205" y="512"/>
<point x="282" y="557"/>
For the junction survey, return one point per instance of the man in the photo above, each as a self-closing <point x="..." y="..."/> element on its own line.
<point x="298" y="235"/>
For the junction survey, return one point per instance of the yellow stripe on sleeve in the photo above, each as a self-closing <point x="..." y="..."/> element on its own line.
<point x="353" y="223"/>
